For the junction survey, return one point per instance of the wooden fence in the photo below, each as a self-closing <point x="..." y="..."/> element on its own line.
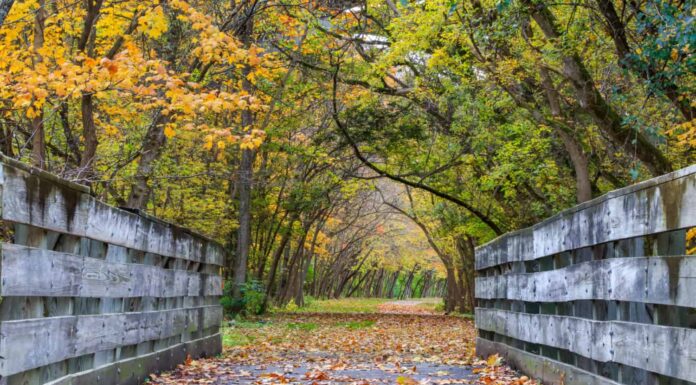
<point x="604" y="293"/>
<point x="93" y="294"/>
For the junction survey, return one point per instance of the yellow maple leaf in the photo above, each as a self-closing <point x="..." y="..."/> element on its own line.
<point x="494" y="360"/>
<point x="169" y="131"/>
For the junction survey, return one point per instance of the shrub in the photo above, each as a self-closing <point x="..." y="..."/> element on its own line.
<point x="291" y="306"/>
<point x="251" y="302"/>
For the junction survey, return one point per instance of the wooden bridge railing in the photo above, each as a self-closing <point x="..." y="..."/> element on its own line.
<point x="603" y="293"/>
<point x="93" y="294"/>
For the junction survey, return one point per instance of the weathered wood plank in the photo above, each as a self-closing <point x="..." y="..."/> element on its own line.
<point x="659" y="349"/>
<point x="33" y="198"/>
<point x="549" y="371"/>
<point x="27" y="271"/>
<point x="134" y="371"/>
<point x="80" y="264"/>
<point x="60" y="338"/>
<point x="657" y="280"/>
<point x="661" y="204"/>
<point x="30" y="198"/>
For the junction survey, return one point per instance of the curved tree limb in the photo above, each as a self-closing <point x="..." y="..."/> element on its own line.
<point x="358" y="154"/>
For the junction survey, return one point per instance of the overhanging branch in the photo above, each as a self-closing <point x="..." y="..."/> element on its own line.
<point x="358" y="154"/>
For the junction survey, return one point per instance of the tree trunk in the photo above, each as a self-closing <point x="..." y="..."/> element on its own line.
<point x="277" y="255"/>
<point x="574" y="149"/>
<point x="89" y="132"/>
<point x="38" y="138"/>
<point x="594" y="103"/>
<point x="452" y="297"/>
<point x="356" y="286"/>
<point x="152" y="149"/>
<point x="245" y="180"/>
<point x="244" y="219"/>
<point x="407" y="283"/>
<point x="392" y="284"/>
<point x="6" y="140"/>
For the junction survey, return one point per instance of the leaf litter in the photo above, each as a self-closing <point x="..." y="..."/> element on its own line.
<point x="394" y="347"/>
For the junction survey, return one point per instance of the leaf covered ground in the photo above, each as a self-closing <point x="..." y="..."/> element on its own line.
<point x="404" y="343"/>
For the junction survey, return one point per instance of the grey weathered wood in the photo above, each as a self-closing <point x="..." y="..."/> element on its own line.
<point x="27" y="271"/>
<point x="603" y="286"/>
<point x="547" y="370"/>
<point x="134" y="371"/>
<point x="659" y="349"/>
<point x="28" y="344"/>
<point x="661" y="204"/>
<point x="657" y="280"/>
<point x="95" y="294"/>
<point x="30" y="198"/>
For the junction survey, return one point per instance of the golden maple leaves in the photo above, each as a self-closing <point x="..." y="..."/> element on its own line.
<point x="134" y="84"/>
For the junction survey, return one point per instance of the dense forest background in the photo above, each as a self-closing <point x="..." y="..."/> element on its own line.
<point x="349" y="148"/>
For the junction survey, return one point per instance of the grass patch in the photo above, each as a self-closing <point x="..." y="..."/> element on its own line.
<point x="341" y="305"/>
<point x="306" y="326"/>
<point x="237" y="334"/>
<point x="432" y="304"/>
<point x="232" y="338"/>
<point x="356" y="324"/>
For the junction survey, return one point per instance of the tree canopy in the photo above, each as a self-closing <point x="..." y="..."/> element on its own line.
<point x="344" y="148"/>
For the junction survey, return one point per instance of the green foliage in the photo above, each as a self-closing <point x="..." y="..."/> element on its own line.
<point x="251" y="303"/>
<point x="433" y="304"/>
<point x="291" y="306"/>
<point x="342" y="305"/>
<point x="304" y="326"/>
<point x="439" y="307"/>
<point x="385" y="125"/>
<point x="668" y="38"/>
<point x="238" y="332"/>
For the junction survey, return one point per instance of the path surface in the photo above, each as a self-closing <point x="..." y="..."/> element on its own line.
<point x="410" y="306"/>
<point x="395" y="346"/>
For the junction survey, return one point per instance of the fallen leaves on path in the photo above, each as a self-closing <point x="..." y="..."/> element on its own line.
<point x="408" y="307"/>
<point x="351" y="349"/>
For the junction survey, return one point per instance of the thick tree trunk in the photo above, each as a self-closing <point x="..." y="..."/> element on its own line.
<point x="452" y="296"/>
<point x="245" y="178"/>
<point x="152" y="149"/>
<point x="574" y="149"/>
<point x="71" y="140"/>
<point x="89" y="130"/>
<point x="466" y="250"/>
<point x="299" y="290"/>
<point x="583" y="183"/>
<point x="244" y="219"/>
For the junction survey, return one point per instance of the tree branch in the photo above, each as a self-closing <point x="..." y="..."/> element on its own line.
<point x="356" y="151"/>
